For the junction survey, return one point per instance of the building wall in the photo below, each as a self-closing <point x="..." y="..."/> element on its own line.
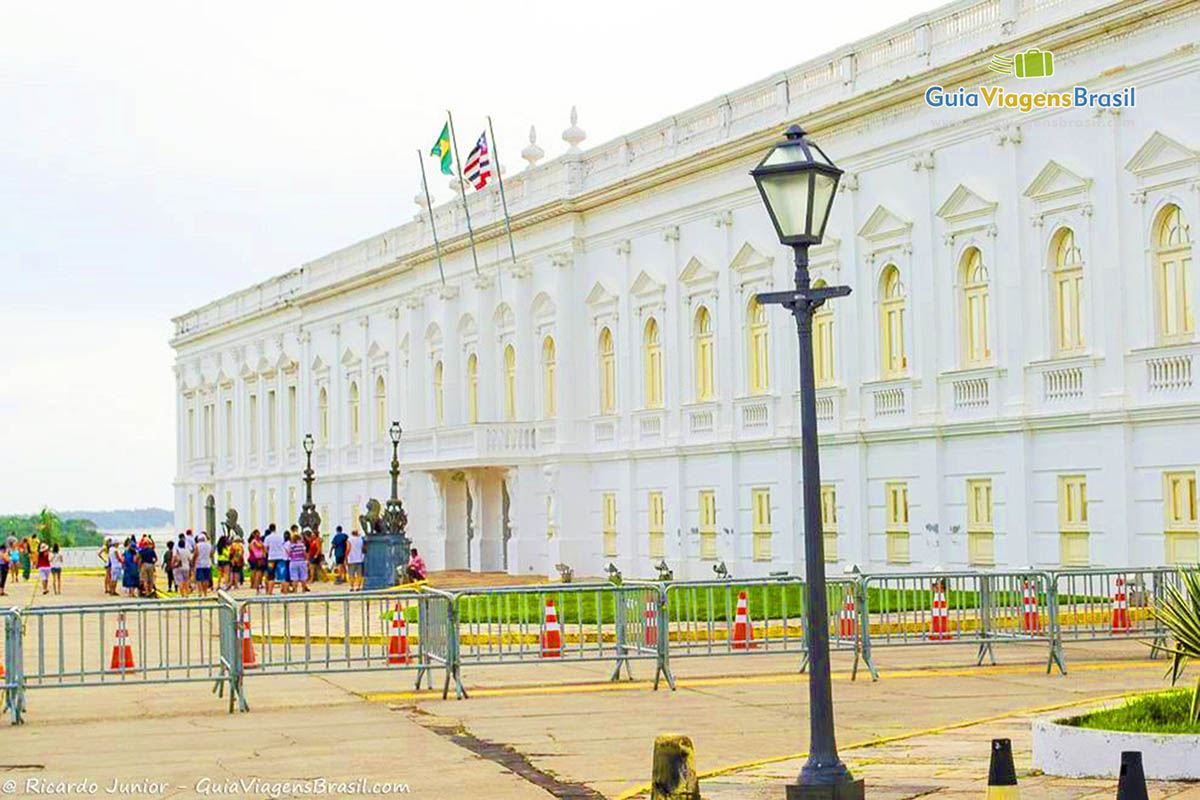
<point x="626" y="233"/>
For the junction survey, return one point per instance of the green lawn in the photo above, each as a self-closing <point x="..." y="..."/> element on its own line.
<point x="1162" y="712"/>
<point x="700" y="604"/>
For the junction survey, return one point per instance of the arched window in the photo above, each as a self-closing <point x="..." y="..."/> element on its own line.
<point x="1066" y="271"/>
<point x="702" y="333"/>
<point x="439" y="406"/>
<point x="354" y="428"/>
<point x="608" y="373"/>
<point x="1173" y="276"/>
<point x="510" y="383"/>
<point x="892" y="355"/>
<point x="652" y="362"/>
<point x="472" y="389"/>
<point x="549" y="387"/>
<point x="823" y="342"/>
<point x="323" y="407"/>
<point x="756" y="326"/>
<point x="381" y="425"/>
<point x="973" y="277"/>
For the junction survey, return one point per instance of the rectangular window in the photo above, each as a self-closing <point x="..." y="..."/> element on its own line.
<point x="354" y="518"/>
<point x="272" y="423"/>
<point x="1073" y="520"/>
<point x="253" y="509"/>
<point x="291" y="504"/>
<point x="981" y="541"/>
<point x="829" y="522"/>
<point x="208" y="430"/>
<point x="272" y="508"/>
<point x="190" y="445"/>
<point x="657" y="526"/>
<point x="293" y="419"/>
<point x="1182" y="530"/>
<point x="252" y="424"/>
<point x="708" y="524"/>
<point x="228" y="500"/>
<point x="896" y="499"/>
<point x="609" y="510"/>
<point x="229" y="429"/>
<point x="191" y="512"/>
<point x="760" y="501"/>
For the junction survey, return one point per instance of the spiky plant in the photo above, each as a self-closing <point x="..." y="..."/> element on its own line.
<point x="1179" y="612"/>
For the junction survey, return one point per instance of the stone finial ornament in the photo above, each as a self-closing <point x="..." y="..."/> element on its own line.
<point x="574" y="135"/>
<point x="532" y="153"/>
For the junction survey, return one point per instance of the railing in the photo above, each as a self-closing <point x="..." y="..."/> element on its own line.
<point x="939" y="608"/>
<point x="1169" y="373"/>
<point x="229" y="640"/>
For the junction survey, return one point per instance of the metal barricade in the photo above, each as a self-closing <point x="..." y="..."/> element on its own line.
<point x="942" y="608"/>
<point x="167" y="641"/>
<point x="10" y="665"/>
<point x="1112" y="604"/>
<point x="758" y="616"/>
<point x="558" y="623"/>
<point x="335" y="633"/>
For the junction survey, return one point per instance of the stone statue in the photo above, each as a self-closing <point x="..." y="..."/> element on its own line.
<point x="231" y="526"/>
<point x="372" y="521"/>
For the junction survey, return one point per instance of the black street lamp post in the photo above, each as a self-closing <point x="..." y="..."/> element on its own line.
<point x="797" y="182"/>
<point x="309" y="518"/>
<point x="388" y="545"/>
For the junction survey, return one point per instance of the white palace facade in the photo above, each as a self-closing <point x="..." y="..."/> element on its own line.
<point x="1012" y="382"/>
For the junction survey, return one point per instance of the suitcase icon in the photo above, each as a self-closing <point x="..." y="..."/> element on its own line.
<point x="1034" y="64"/>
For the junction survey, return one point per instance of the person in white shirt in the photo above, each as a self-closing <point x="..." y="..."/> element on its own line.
<point x="202" y="564"/>
<point x="356" y="553"/>
<point x="277" y="558"/>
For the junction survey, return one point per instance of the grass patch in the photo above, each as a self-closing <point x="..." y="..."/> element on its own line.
<point x="1162" y="712"/>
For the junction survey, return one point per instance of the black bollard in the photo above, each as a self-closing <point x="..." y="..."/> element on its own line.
<point x="1002" y="776"/>
<point x="1132" y="785"/>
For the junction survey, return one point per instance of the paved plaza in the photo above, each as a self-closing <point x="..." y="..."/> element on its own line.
<point x="540" y="730"/>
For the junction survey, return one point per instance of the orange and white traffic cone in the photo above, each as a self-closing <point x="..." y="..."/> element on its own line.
<point x="249" y="659"/>
<point x="939" y="623"/>
<point x="122" y="652"/>
<point x="743" y="628"/>
<point x="398" y="645"/>
<point x="651" y="626"/>
<point x="1120" y="607"/>
<point x="551" y="633"/>
<point x="1031" y="620"/>
<point x="849" y="621"/>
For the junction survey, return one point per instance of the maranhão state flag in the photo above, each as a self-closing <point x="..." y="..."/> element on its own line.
<point x="479" y="163"/>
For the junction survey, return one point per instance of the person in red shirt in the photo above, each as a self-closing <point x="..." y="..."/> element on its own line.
<point x="415" y="571"/>
<point x="43" y="567"/>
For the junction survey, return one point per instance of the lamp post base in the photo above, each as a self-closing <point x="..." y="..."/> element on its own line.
<point x="385" y="553"/>
<point x="854" y="790"/>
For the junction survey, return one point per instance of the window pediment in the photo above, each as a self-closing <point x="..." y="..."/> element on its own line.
<point x="1161" y="154"/>
<point x="751" y="266"/>
<point x="1055" y="183"/>
<point x="647" y="290"/>
<point x="376" y="352"/>
<point x="965" y="209"/>
<point x="350" y="358"/>
<point x="885" y="228"/>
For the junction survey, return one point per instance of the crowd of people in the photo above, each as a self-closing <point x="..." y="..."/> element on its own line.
<point x="19" y="557"/>
<point x="287" y="559"/>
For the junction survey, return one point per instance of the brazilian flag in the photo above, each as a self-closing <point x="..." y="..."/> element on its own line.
<point x="441" y="149"/>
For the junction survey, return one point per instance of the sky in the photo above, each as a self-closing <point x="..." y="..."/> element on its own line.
<point x="157" y="155"/>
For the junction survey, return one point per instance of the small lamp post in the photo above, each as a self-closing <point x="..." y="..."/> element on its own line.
<point x="309" y="518"/>
<point x="797" y="182"/>
<point x="388" y="547"/>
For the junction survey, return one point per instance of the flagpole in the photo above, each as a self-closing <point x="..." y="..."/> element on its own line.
<point x="462" y="190"/>
<point x="437" y="247"/>
<point x="503" y="200"/>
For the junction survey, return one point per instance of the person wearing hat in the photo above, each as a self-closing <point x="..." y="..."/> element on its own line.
<point x="43" y="566"/>
<point x="203" y="564"/>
